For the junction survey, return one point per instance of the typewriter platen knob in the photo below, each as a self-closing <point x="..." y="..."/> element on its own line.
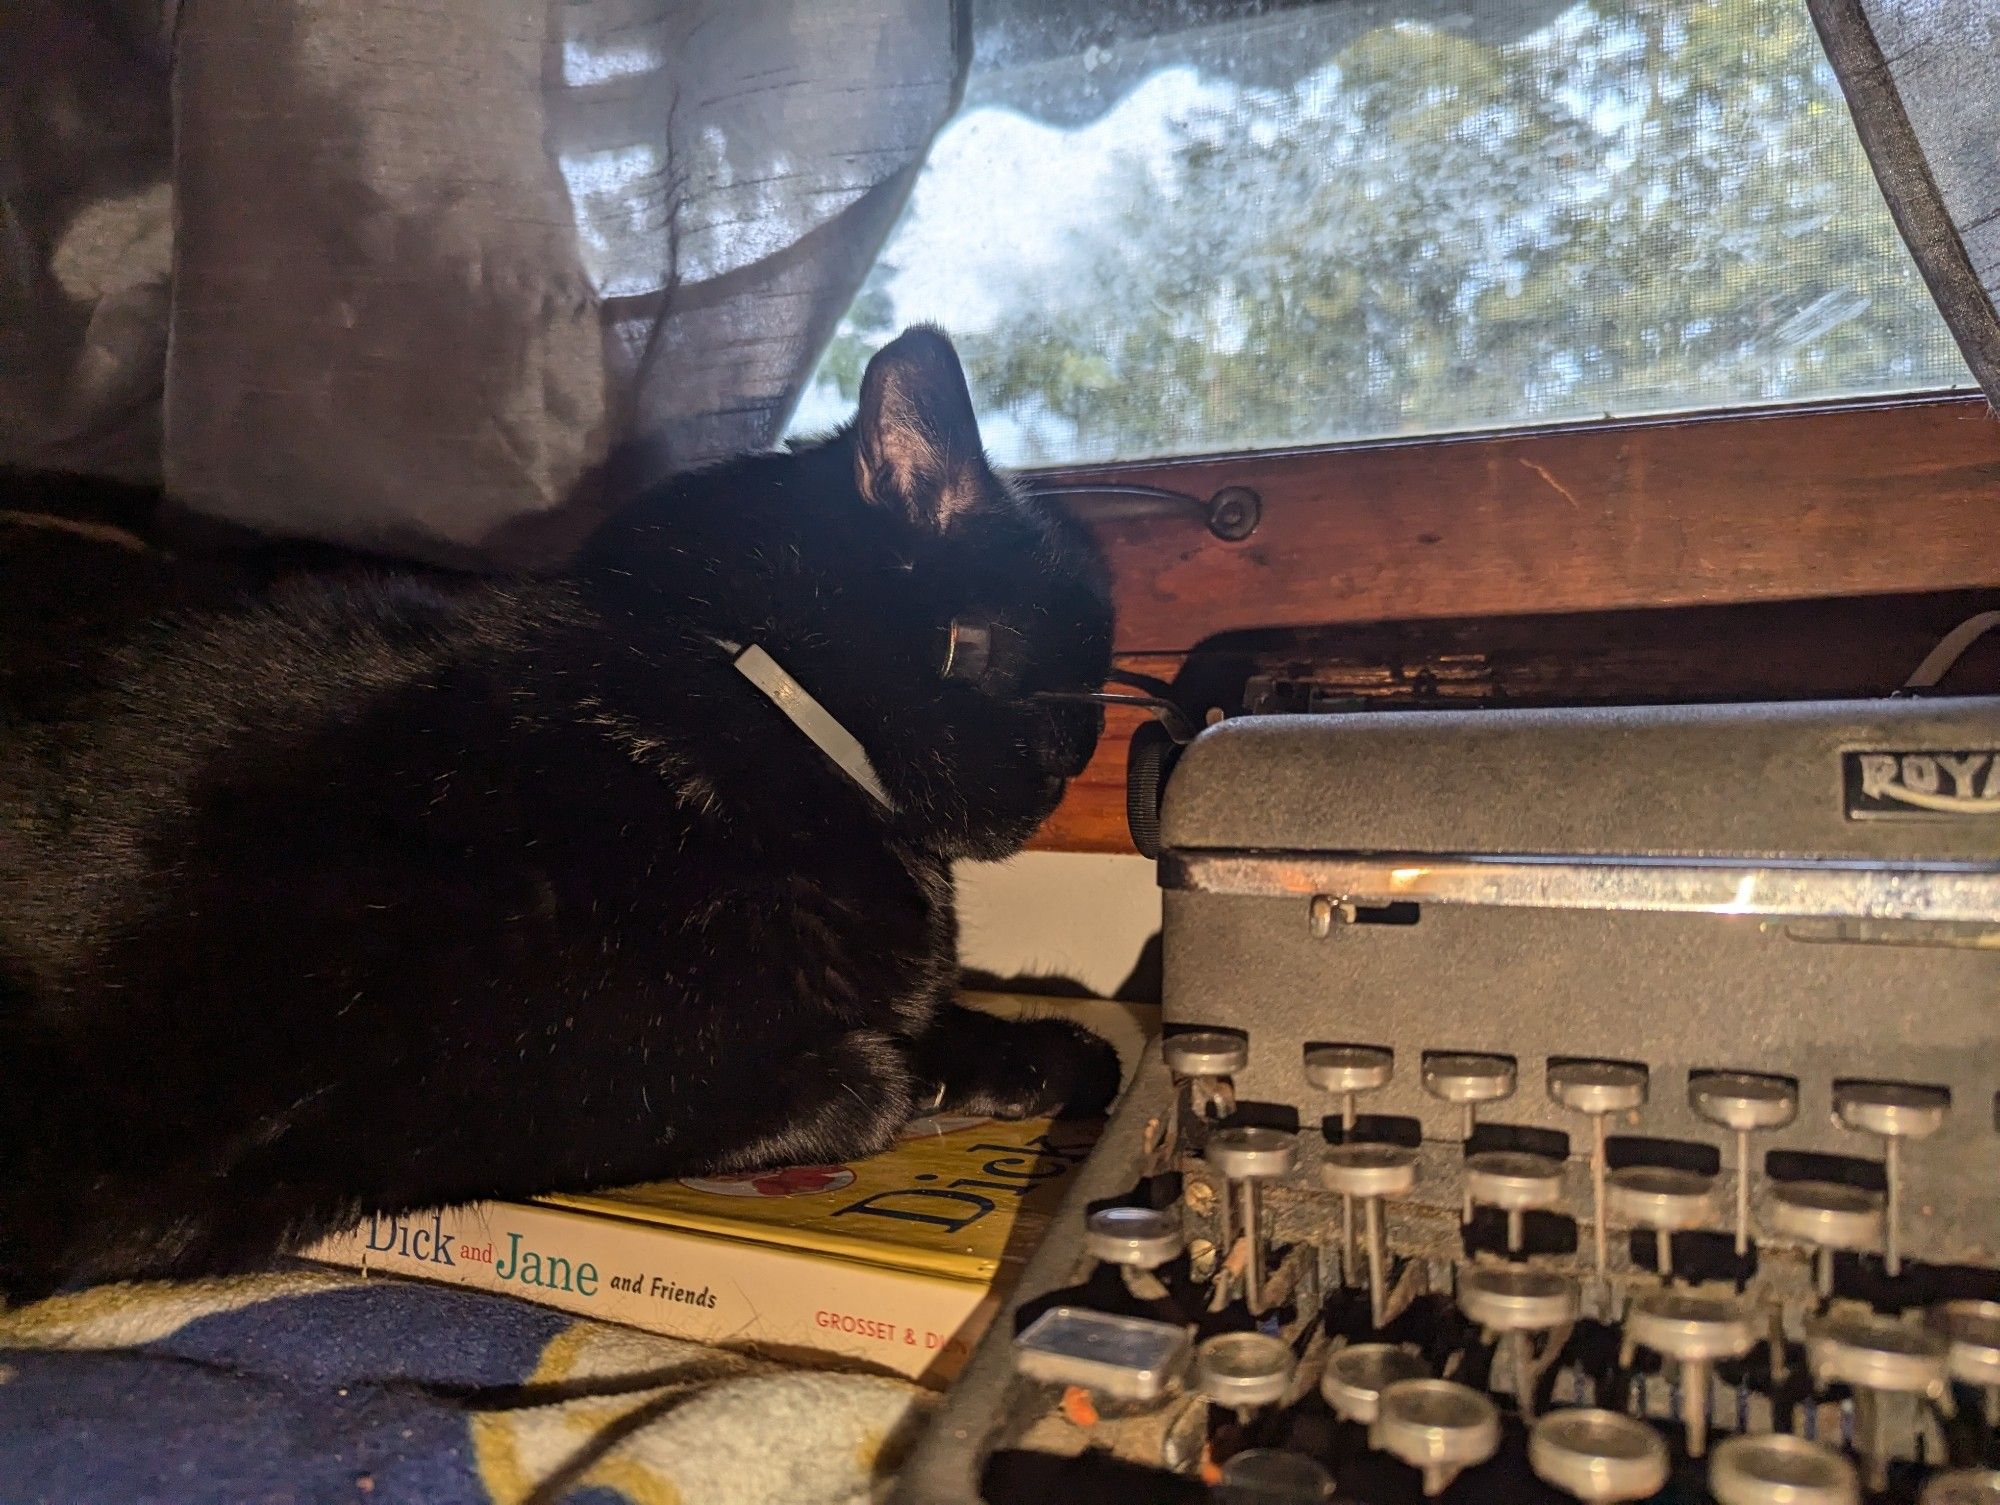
<point x="1371" y="1172"/>
<point x="1439" y="1427"/>
<point x="1829" y="1216"/>
<point x="1355" y="1377"/>
<point x="1695" y="1331"/>
<point x="1893" y="1112"/>
<point x="1516" y="1301"/>
<point x="1777" y="1468"/>
<point x="1515" y="1182"/>
<point x="1468" y="1081"/>
<point x="1597" y="1089"/>
<point x="1745" y="1104"/>
<point x="1598" y="1455"/>
<point x="1665" y="1200"/>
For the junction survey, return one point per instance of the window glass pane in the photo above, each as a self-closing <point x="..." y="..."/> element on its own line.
<point x="1308" y="223"/>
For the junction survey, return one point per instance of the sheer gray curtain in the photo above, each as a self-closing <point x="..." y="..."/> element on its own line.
<point x="1923" y="79"/>
<point x="403" y="275"/>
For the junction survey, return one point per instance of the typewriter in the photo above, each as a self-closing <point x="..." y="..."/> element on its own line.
<point x="1553" y="1105"/>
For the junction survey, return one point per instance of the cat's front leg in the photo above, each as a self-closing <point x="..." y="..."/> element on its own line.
<point x="976" y="1063"/>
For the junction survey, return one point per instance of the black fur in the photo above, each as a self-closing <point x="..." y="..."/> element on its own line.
<point x="337" y="887"/>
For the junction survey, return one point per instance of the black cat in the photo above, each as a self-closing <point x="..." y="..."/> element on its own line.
<point x="376" y="887"/>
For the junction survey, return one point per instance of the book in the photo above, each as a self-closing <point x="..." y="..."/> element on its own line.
<point x="897" y="1261"/>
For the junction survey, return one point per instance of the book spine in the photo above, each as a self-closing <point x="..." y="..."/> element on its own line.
<point x="681" y="1284"/>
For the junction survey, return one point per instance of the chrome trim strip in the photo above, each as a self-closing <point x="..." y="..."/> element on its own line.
<point x="1789" y="889"/>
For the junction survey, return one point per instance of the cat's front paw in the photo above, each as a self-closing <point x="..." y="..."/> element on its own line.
<point x="1033" y="1068"/>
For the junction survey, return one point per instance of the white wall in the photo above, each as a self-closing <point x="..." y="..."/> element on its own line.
<point x="1080" y="916"/>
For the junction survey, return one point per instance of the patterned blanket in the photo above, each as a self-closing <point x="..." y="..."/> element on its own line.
<point x="306" y="1387"/>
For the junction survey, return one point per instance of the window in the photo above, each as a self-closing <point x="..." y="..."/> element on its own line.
<point x="1314" y="223"/>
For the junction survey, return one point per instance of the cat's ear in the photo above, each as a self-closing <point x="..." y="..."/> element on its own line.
<point x="916" y="441"/>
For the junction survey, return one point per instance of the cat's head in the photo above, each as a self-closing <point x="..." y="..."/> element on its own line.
<point x="926" y="601"/>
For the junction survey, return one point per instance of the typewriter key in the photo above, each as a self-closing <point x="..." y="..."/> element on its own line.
<point x="1962" y="1486"/>
<point x="1371" y="1172"/>
<point x="1893" y="1112"/>
<point x="1125" y="1358"/>
<point x="1243" y="1371"/>
<point x="1274" y="1476"/>
<point x="1356" y="1376"/>
<point x="1662" y="1199"/>
<point x="1694" y="1331"/>
<point x="1598" y="1455"/>
<point x="1972" y="1329"/>
<point x="1439" y="1427"/>
<point x="1468" y="1080"/>
<point x="1598" y="1089"/>
<point x="1245" y="1158"/>
<point x="1780" y="1469"/>
<point x="1744" y="1104"/>
<point x="1348" y="1071"/>
<point x="1515" y="1301"/>
<point x="1515" y="1182"/>
<point x="1876" y="1356"/>
<point x="1829" y="1216"/>
<point x="1206" y="1059"/>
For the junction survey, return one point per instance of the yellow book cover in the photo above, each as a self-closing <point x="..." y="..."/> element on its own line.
<point x="897" y="1260"/>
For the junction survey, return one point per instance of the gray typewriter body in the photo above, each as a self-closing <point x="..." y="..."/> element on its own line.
<point x="1807" y="893"/>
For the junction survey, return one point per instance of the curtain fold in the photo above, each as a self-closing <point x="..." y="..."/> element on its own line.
<point x="402" y="276"/>
<point x="1922" y="78"/>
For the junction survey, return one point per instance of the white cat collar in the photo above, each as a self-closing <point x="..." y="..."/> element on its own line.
<point x="809" y="716"/>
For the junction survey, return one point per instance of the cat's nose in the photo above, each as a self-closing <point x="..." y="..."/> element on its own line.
<point x="1076" y="740"/>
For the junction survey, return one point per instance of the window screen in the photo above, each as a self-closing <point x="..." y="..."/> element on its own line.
<point x="1211" y="227"/>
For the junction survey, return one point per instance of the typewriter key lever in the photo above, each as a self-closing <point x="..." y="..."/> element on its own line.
<point x="1245" y="1158"/>
<point x="1348" y="1071"/>
<point x="1370" y="1172"/>
<point x="1875" y="1356"/>
<point x="1468" y="1081"/>
<point x="1244" y="1371"/>
<point x="1892" y="1112"/>
<point x="1598" y="1089"/>
<point x="1515" y="1182"/>
<point x="1355" y="1377"/>
<point x="1972" y="1331"/>
<point x="1138" y="1240"/>
<point x="1829" y="1216"/>
<point x="1745" y="1105"/>
<point x="1662" y="1199"/>
<point x="1206" y="1060"/>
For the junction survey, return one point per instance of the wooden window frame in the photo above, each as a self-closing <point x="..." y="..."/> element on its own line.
<point x="1864" y="498"/>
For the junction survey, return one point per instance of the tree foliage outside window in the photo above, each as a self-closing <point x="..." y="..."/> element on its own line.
<point x="1640" y="206"/>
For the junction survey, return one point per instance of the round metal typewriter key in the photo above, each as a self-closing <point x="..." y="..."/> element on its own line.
<point x="1777" y="1468"/>
<point x="1371" y="1172"/>
<point x="1205" y="1053"/>
<point x="1438" y="1426"/>
<point x="1598" y="1089"/>
<point x="1962" y="1486"/>
<point x="1893" y="1112"/>
<point x="1598" y="1455"/>
<point x="1515" y="1182"/>
<point x="1972" y="1331"/>
<point x="1468" y="1080"/>
<point x="1139" y="1238"/>
<point x="1356" y="1376"/>
<point x="1274" y="1476"/>
<point x="1348" y="1071"/>
<point x="1516" y="1301"/>
<point x="1694" y="1331"/>
<point x="1243" y="1371"/>
<point x="1745" y="1104"/>
<point x="1662" y="1199"/>
<point x="1876" y="1355"/>
<point x="1245" y="1158"/>
<point x="1829" y="1216"/>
